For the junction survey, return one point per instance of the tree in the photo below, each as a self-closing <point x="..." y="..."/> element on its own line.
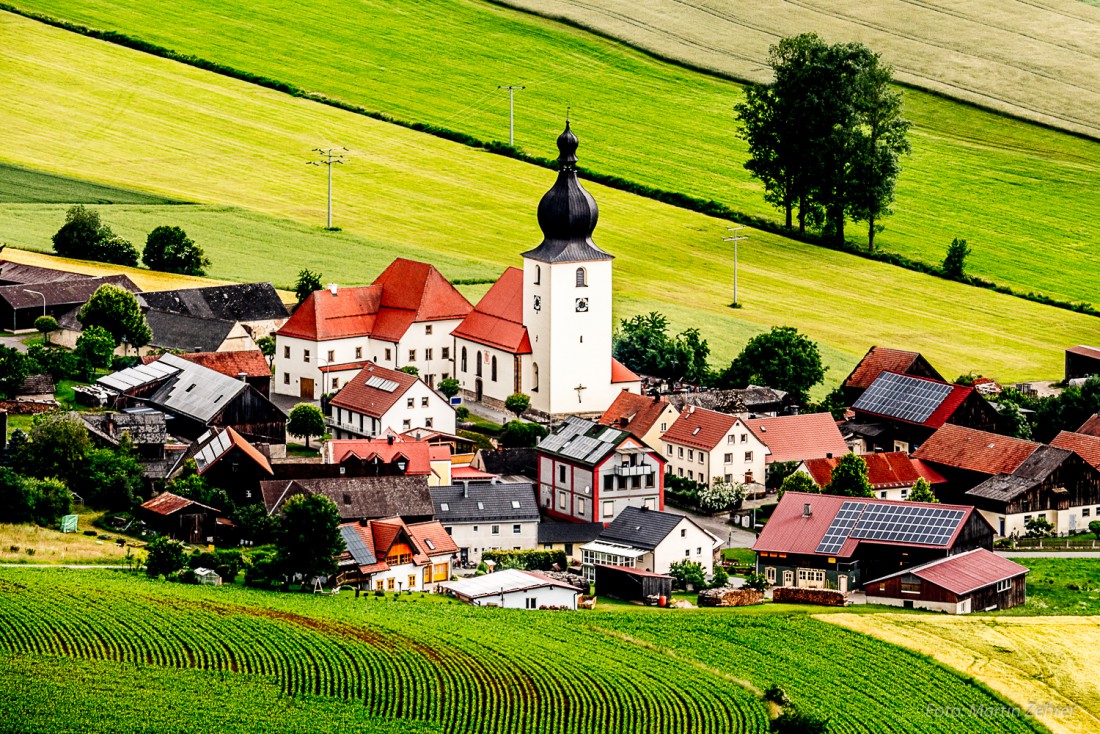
<point x="410" y="370"/>
<point x="94" y="349"/>
<point x="308" y="281"/>
<point x="194" y="487"/>
<point x="58" y="447"/>
<point x="170" y="250"/>
<point x="687" y="572"/>
<point x="756" y="582"/>
<point x="954" y="263"/>
<point x="266" y="345"/>
<point x="449" y="387"/>
<point x="255" y="524"/>
<point x="922" y="492"/>
<point x="721" y="495"/>
<point x="850" y="478"/>
<point x="517" y="403"/>
<point x="46" y="325"/>
<point x="108" y="479"/>
<point x="833" y="404"/>
<point x="306" y="420"/>
<point x="691" y="352"/>
<point x="643" y="344"/>
<point x="721" y="577"/>
<point x="1015" y="423"/>
<point x="18" y="504"/>
<point x="52" y="499"/>
<point x="166" y="557"/>
<point x="798" y="481"/>
<point x="117" y="310"/>
<point x="781" y="359"/>
<point x="1038" y="527"/>
<point x="14" y="368"/>
<point x="308" y="536"/>
<point x="85" y="237"/>
<point x="1094" y="528"/>
<point x="518" y="435"/>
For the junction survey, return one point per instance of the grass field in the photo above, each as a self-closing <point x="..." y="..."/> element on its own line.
<point x="1021" y="195"/>
<point x="1060" y="586"/>
<point x="452" y="666"/>
<point x="1033" y="59"/>
<point x="53" y="546"/>
<point x="471" y="213"/>
<point x="24" y="185"/>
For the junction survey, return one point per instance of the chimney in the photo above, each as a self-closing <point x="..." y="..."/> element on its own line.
<point x="829" y="455"/>
<point x="332" y="288"/>
<point x="389" y="439"/>
<point x="242" y="376"/>
<point x="807" y="511"/>
<point x="466" y="488"/>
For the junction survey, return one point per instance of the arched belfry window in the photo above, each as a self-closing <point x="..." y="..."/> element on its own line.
<point x="535" y="377"/>
<point x="582" y="278"/>
<point x="538" y="274"/>
<point x="464" y="368"/>
<point x="493" y="369"/>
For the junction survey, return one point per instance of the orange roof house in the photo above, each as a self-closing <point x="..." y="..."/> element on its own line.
<point x="645" y="417"/>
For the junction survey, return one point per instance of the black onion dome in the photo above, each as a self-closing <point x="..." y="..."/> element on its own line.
<point x="567" y="213"/>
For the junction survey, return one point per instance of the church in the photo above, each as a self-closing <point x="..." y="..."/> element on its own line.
<point x="545" y="329"/>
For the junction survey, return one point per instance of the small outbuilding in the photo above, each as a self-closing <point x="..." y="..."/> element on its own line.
<point x="513" y="589"/>
<point x="632" y="584"/>
<point x="207" y="577"/>
<point x="975" y="581"/>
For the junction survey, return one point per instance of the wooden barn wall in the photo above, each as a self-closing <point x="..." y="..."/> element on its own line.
<point x="254" y="417"/>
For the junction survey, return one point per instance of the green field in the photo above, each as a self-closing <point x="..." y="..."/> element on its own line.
<point x="1020" y="194"/>
<point x="444" y="664"/>
<point x="23" y="185"/>
<point x="471" y="213"/>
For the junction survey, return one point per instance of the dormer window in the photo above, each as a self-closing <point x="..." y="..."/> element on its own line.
<point x="582" y="278"/>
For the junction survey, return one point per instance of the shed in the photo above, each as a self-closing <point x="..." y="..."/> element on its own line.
<point x="514" y="589"/>
<point x="976" y="581"/>
<point x="632" y="584"/>
<point x="1081" y="362"/>
<point x="207" y="577"/>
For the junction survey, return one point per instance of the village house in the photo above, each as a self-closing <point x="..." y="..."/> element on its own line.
<point x="389" y="456"/>
<point x="827" y="541"/>
<point x="356" y="498"/>
<point x="377" y="399"/>
<point x="753" y="400"/>
<point x="973" y="581"/>
<point x="13" y="273"/>
<point x="512" y="588"/>
<point x="883" y="359"/>
<point x="794" y="438"/>
<point x="646" y="418"/>
<point x="545" y="330"/>
<point x="403" y="319"/>
<point x="1084" y="445"/>
<point x="588" y="472"/>
<point x="254" y="307"/>
<point x="148" y="434"/>
<point x="650" y="540"/>
<point x="905" y="411"/>
<point x="702" y="445"/>
<point x="226" y="460"/>
<point x="184" y="333"/>
<point x="507" y="462"/>
<point x="482" y="517"/>
<point x="1090" y="427"/>
<point x="248" y="365"/>
<point x="967" y="457"/>
<point x="391" y="555"/>
<point x="21" y="304"/>
<point x="184" y="519"/>
<point x="892" y="475"/>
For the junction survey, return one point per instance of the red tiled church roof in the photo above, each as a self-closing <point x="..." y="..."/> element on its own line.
<point x="358" y="397"/>
<point x="884" y="471"/>
<point x="632" y="412"/>
<point x="497" y="320"/>
<point x="973" y="450"/>
<point x="799" y="437"/>
<point x="620" y="373"/>
<point x="350" y="312"/>
<point x="1082" y="444"/>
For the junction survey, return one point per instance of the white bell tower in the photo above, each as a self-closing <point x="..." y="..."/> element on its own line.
<point x="567" y="299"/>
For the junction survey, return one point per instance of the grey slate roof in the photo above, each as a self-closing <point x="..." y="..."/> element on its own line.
<point x="569" y="532"/>
<point x="485" y="502"/>
<point x="507" y="461"/>
<point x="582" y="441"/>
<point x="187" y="333"/>
<point x="19" y="274"/>
<point x="750" y="399"/>
<point x="61" y="292"/>
<point x="640" y="528"/>
<point x="236" y="302"/>
<point x="366" y="497"/>
<point x="145" y="428"/>
<point x="1034" y="471"/>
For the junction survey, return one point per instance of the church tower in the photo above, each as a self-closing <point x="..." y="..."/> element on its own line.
<point x="567" y="299"/>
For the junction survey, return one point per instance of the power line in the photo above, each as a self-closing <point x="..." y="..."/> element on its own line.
<point x="511" y="111"/>
<point x="329" y="157"/>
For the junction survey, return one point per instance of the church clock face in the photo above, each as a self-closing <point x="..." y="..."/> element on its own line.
<point x="582" y="305"/>
<point x="537" y="305"/>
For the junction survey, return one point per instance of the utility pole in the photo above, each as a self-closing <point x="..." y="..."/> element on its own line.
<point x="735" y="237"/>
<point x="511" y="112"/>
<point x="329" y="157"/>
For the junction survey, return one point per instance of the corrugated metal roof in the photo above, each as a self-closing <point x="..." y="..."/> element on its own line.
<point x="196" y="391"/>
<point x="142" y="374"/>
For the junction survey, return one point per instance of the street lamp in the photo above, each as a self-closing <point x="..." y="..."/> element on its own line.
<point x="40" y="295"/>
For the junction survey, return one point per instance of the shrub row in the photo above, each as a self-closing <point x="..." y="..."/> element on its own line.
<point x="824" y="597"/>
<point x="528" y="560"/>
<point x="709" y="207"/>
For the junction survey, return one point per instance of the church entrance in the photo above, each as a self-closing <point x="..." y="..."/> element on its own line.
<point x="477" y="390"/>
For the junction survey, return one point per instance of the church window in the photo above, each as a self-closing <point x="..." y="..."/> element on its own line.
<point x="535" y="376"/>
<point x="464" y="366"/>
<point x="582" y="278"/>
<point x="493" y="369"/>
<point x="477" y="367"/>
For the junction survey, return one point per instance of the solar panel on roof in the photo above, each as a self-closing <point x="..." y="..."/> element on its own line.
<point x="903" y="397"/>
<point x="841" y="527"/>
<point x="382" y="383"/>
<point x="356" y="547"/>
<point x="908" y="524"/>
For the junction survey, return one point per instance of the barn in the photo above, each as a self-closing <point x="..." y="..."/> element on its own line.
<point x="632" y="584"/>
<point x="975" y="581"/>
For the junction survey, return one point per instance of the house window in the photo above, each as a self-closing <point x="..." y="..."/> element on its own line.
<point x="446" y="353"/>
<point x="428" y="422"/>
<point x="391" y="583"/>
<point x="495" y="530"/>
<point x="691" y="455"/>
<point x="729" y="438"/>
<point x="493" y="369"/>
<point x="664" y="427"/>
<point x="581" y="508"/>
<point x="475" y="528"/>
<point x="748" y="456"/>
<point x="582" y="278"/>
<point x="412" y="581"/>
<point x="650" y="503"/>
<point x="727" y="458"/>
<point x="424" y="402"/>
<point x="769" y="573"/>
<point x="428" y="329"/>
<point x="904" y="493"/>
<point x="687" y="552"/>
<point x="538" y="275"/>
<point x="412" y="355"/>
<point x="1004" y="585"/>
<point x="744" y="438"/>
<point x="910" y="584"/>
<point x="701" y="456"/>
<point x="882" y="495"/>
<point x="683" y="532"/>
<point x="1085" y="512"/>
<point x="428" y="355"/>
<point x="406" y="424"/>
<point x="532" y="603"/>
<point x="729" y="479"/>
<point x="462" y="361"/>
<point x="378" y="585"/>
<point x="681" y="451"/>
<point x="359" y="352"/>
<point x="516" y="529"/>
<point x="389" y="355"/>
<point x="410" y="402"/>
<point x="535" y="378"/>
<point x="669" y="452"/>
<point x="609" y="481"/>
<point x="286" y="378"/>
<point x="561" y="473"/>
<point x="305" y="355"/>
<point x="699" y="551"/>
<point x="335" y="383"/>
<point x="286" y="352"/>
<point x="561" y="500"/>
<point x="691" y="474"/>
<point x="680" y="470"/>
<point x="608" y="508"/>
<point x="331" y="356"/>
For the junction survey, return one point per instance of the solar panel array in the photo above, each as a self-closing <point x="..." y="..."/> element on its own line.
<point x="903" y="397"/>
<point x="356" y="547"/>
<point x="382" y="383"/>
<point x="894" y="523"/>
<point x="213" y="449"/>
<point x="572" y="440"/>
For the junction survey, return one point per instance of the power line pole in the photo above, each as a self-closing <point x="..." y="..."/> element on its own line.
<point x="329" y="157"/>
<point x="511" y="112"/>
<point x="735" y="238"/>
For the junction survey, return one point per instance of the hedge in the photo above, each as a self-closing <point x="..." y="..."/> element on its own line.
<point x="527" y="560"/>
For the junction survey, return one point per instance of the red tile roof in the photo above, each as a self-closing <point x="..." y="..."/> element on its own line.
<point x="1091" y="427"/>
<point x="799" y="437"/>
<point x="379" y="536"/>
<point x="1084" y="351"/>
<point x="250" y="361"/>
<point x="964" y="573"/>
<point x="1082" y="444"/>
<point x="879" y="360"/>
<point x="884" y="471"/>
<point x="973" y="450"/>
<point x="236" y="439"/>
<point x="497" y="320"/>
<point x="634" y="413"/>
<point x="701" y="428"/>
<point x="417" y="453"/>
<point x="357" y="397"/>
<point x="789" y="531"/>
<point x="620" y="373"/>
<point x="405" y="292"/>
<point x="166" y="503"/>
<point x="432" y="532"/>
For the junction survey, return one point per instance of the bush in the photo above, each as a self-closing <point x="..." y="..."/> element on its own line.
<point x="794" y="721"/>
<point x="450" y="387"/>
<point x="1038" y="527"/>
<point x="527" y="560"/>
<point x="687" y="572"/>
<point x="462" y="412"/>
<point x="262" y="568"/>
<point x="517" y="434"/>
<point x="756" y="581"/>
<point x="777" y="695"/>
<point x="721" y="577"/>
<point x="517" y="403"/>
<point x="165" y="558"/>
<point x="85" y="237"/>
<point x="170" y="250"/>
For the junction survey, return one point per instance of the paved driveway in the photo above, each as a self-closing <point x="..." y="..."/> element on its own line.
<point x="732" y="537"/>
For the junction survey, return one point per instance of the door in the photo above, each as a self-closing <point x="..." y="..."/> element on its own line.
<point x="477" y="390"/>
<point x="307" y="388"/>
<point x="788" y="578"/>
<point x="1072" y="522"/>
<point x="842" y="583"/>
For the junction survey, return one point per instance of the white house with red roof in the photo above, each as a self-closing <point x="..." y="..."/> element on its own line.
<point x="390" y="555"/>
<point x="392" y="455"/>
<point x="647" y="418"/>
<point x="405" y="318"/>
<point x="702" y="445"/>
<point x="378" y="399"/>
<point x="545" y="330"/>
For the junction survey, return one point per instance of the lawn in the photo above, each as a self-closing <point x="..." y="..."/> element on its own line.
<point x="1020" y="194"/>
<point x="445" y="665"/>
<point x="50" y="545"/>
<point x="471" y="213"/>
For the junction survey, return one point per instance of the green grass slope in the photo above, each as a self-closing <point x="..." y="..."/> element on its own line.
<point x="136" y="120"/>
<point x="464" y="669"/>
<point x="1022" y="195"/>
<point x="24" y="185"/>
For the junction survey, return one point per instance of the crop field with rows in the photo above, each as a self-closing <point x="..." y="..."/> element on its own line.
<point x="439" y="664"/>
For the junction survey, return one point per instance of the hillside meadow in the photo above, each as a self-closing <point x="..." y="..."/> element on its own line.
<point x="443" y="665"/>
<point x="1020" y="194"/>
<point x="134" y="120"/>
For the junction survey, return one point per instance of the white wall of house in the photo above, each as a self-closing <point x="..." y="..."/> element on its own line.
<point x="298" y="359"/>
<point x="546" y="596"/>
<point x="1073" y="519"/>
<point x="740" y="455"/>
<point x="686" y="542"/>
<point x="399" y="578"/>
<point x="481" y="536"/>
<point x="426" y="345"/>
<point x="652" y="437"/>
<point x="419" y="407"/>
